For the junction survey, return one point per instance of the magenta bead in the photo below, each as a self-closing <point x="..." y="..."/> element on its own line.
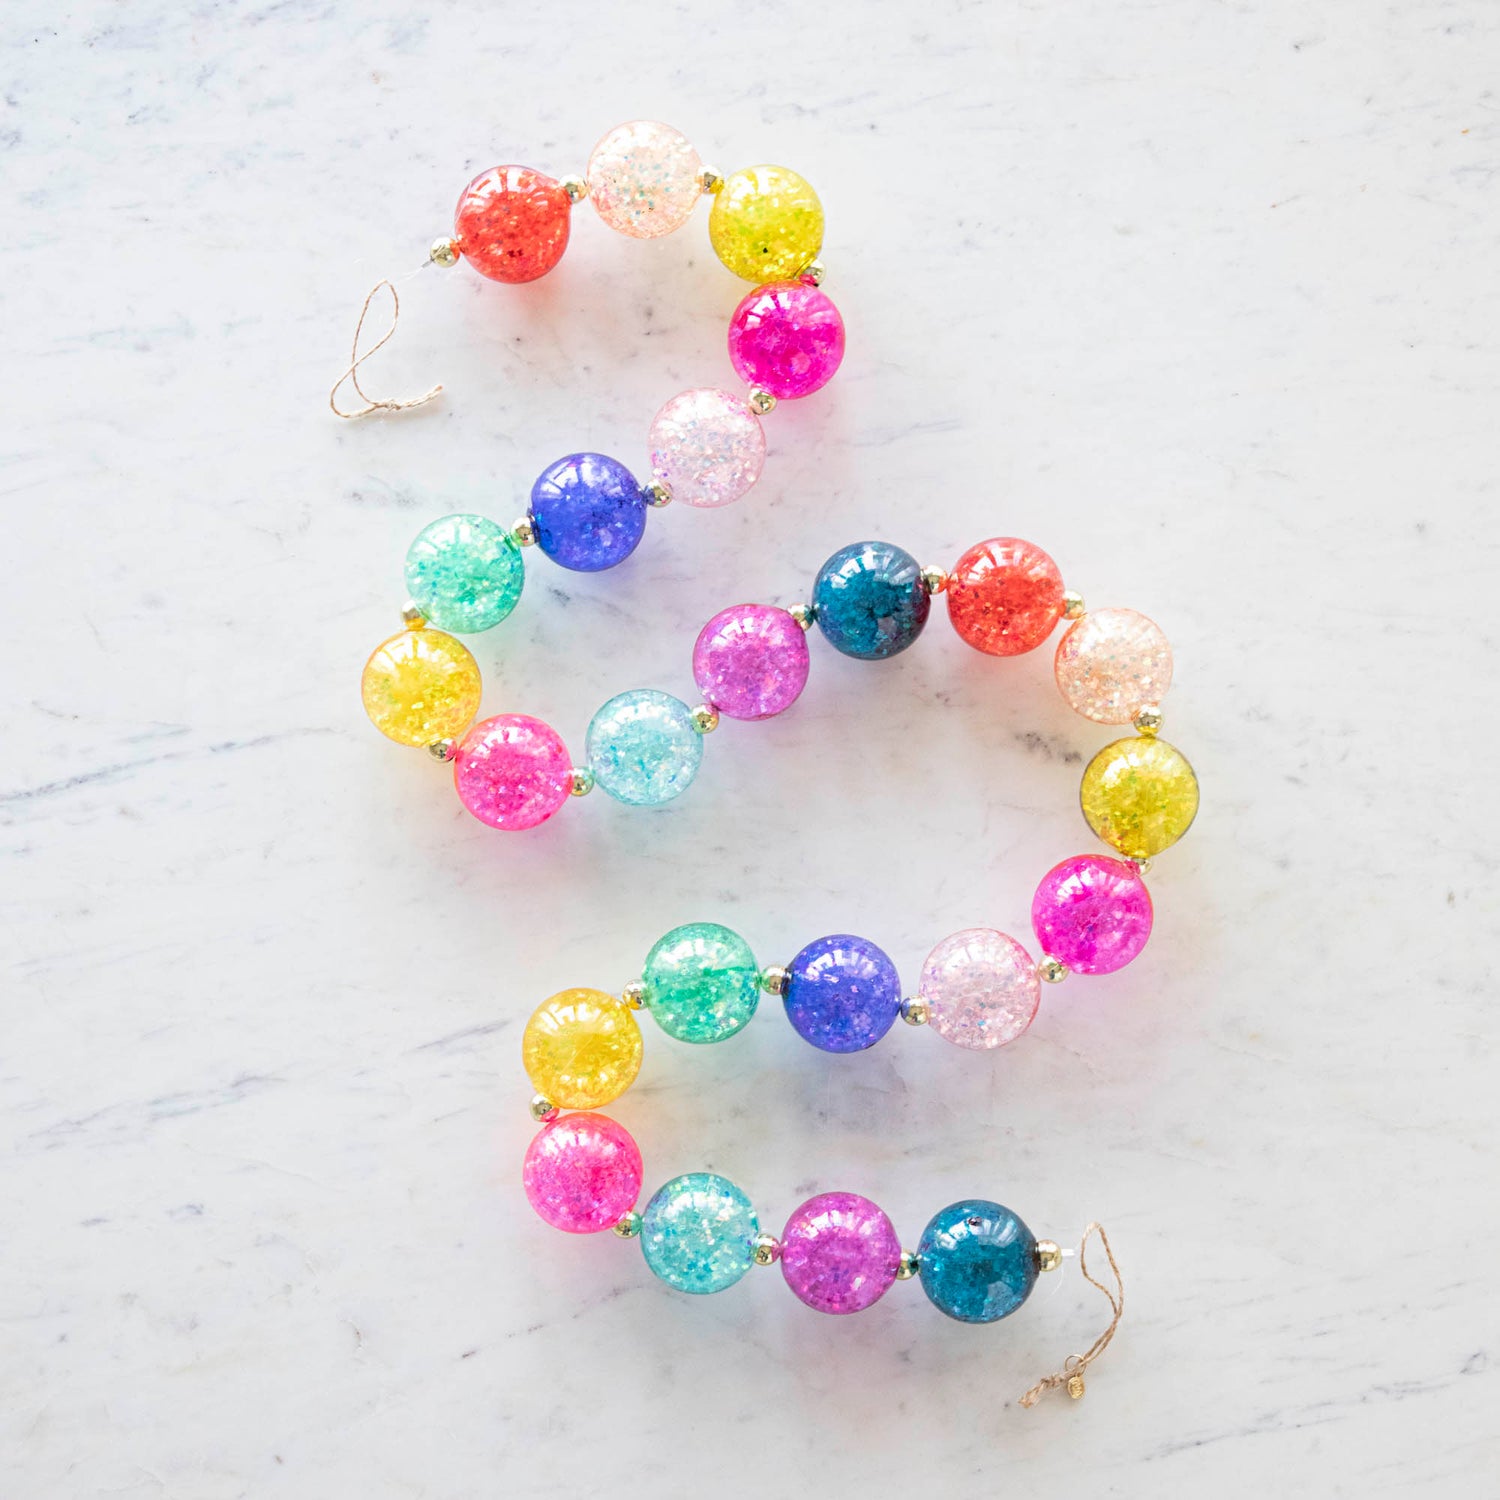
<point x="582" y="1172"/>
<point x="750" y="661"/>
<point x="512" y="771"/>
<point x="839" y="1252"/>
<point x="788" y="338"/>
<point x="1092" y="913"/>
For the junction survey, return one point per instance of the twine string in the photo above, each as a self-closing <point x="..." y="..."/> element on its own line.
<point x="1071" y="1374"/>
<point x="356" y="359"/>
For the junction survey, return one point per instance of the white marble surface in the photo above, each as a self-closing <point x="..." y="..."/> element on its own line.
<point x="1201" y="296"/>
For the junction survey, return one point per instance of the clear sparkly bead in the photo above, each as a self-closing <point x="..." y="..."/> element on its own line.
<point x="643" y="179"/>
<point x="1112" y="663"/>
<point x="981" y="988"/>
<point x="707" y="447"/>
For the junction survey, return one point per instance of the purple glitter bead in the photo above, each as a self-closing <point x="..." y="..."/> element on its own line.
<point x="839" y="1253"/>
<point x="1092" y="913"/>
<point x="787" y="337"/>
<point x="842" y="993"/>
<point x="750" y="661"/>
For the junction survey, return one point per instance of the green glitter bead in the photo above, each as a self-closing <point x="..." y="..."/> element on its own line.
<point x="698" y="1233"/>
<point x="465" y="573"/>
<point x="702" y="982"/>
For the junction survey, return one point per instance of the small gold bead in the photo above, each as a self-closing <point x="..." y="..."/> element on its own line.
<point x="761" y="400"/>
<point x="814" y="273"/>
<point x="705" y="718"/>
<point x="803" y="614"/>
<point x="582" y="782"/>
<point x="909" y="1265"/>
<point x="657" y="493"/>
<point x="575" y="187"/>
<point x="767" y="1250"/>
<point x="774" y="980"/>
<point x="634" y="995"/>
<point x="1072" y="605"/>
<point x="1075" y="1387"/>
<point x="542" y="1108"/>
<point x="524" y="532"/>
<point x="628" y="1225"/>
<point x="1148" y="720"/>
<point x="443" y="750"/>
<point x="915" y="1012"/>
<point x="412" y="617"/>
<point x="709" y="181"/>
<point x="1048" y="1255"/>
<point x="1141" y="863"/>
<point x="1052" y="970"/>
<point x="934" y="580"/>
<point x="444" y="251"/>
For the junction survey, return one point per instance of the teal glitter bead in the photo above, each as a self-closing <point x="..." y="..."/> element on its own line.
<point x="698" y="1233"/>
<point x="464" y="573"/>
<point x="702" y="982"/>
<point x="977" y="1261"/>
<point x="642" y="747"/>
<point x="869" y="600"/>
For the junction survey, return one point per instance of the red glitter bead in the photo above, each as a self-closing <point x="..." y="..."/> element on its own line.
<point x="1004" y="596"/>
<point x="512" y="223"/>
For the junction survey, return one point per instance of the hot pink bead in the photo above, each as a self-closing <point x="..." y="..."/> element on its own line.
<point x="512" y="771"/>
<point x="582" y="1172"/>
<point x="839" y="1253"/>
<point x="707" y="447"/>
<point x="787" y="337"/>
<point x="981" y="988"/>
<point x="1112" y="663"/>
<point x="750" y="661"/>
<point x="1092" y="913"/>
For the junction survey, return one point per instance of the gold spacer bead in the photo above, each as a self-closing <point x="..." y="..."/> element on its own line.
<point x="1048" y="1255"/>
<point x="634" y="995"/>
<point x="761" y="400"/>
<point x="444" y="251"/>
<point x="656" y="493"/>
<point x="803" y="614"/>
<point x="412" y="617"/>
<point x="1075" y="1387"/>
<point x="582" y="782"/>
<point x="576" y="187"/>
<point x="915" y="1012"/>
<point x="814" y="273"/>
<point x="524" y="531"/>
<point x="1141" y="863"/>
<point x="709" y="181"/>
<point x="934" y="580"/>
<point x="628" y="1225"/>
<point x="774" y="979"/>
<point x="542" y="1108"/>
<point x="705" y="718"/>
<point x="443" y="750"/>
<point x="1148" y="720"/>
<point x="1051" y="969"/>
<point x="909" y="1265"/>
<point x="767" y="1250"/>
<point x="1072" y="605"/>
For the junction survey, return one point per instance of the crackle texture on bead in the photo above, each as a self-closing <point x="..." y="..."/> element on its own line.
<point x="465" y="573"/>
<point x="421" y="686"/>
<point x="512" y="223"/>
<point x="787" y="338"/>
<point x="582" y="1048"/>
<point x="1112" y="663"/>
<point x="981" y="988"/>
<point x="751" y="661"/>
<point x="869" y="600"/>
<point x="702" y="982"/>
<point x="642" y="747"/>
<point x="698" y="1233"/>
<point x="1092" y="913"/>
<point x="1140" y="795"/>
<point x="1004" y="596"/>
<point x="766" y="223"/>
<point x="840" y="1253"/>
<point x="842" y="993"/>
<point x="582" y="1172"/>
<point x="643" y="179"/>
<point x="977" y="1261"/>
<point x="588" y="512"/>
<point x="707" y="447"/>
<point x="512" y="771"/>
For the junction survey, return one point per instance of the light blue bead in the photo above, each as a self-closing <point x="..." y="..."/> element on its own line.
<point x="642" y="747"/>
<point x="698" y="1233"/>
<point x="977" y="1261"/>
<point x="464" y="573"/>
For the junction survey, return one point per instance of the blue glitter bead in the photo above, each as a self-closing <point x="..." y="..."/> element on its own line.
<point x="464" y="573"/>
<point x="869" y="600"/>
<point x="588" y="511"/>
<point x="842" y="994"/>
<point x="642" y="747"/>
<point x="698" y="1233"/>
<point x="977" y="1261"/>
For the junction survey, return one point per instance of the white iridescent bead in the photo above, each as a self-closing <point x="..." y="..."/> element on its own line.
<point x="644" y="179"/>
<point x="707" y="447"/>
<point x="981" y="988"/>
<point x="1112" y="663"/>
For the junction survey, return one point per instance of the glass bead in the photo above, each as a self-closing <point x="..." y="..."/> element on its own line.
<point x="840" y="1253"/>
<point x="1092" y="913"/>
<point x="465" y="573"/>
<point x="981" y="988"/>
<point x="842" y="993"/>
<point x="582" y="1172"/>
<point x="642" y="748"/>
<point x="787" y="338"/>
<point x="588" y="512"/>
<point x="766" y="223"/>
<point x="751" y="661"/>
<point x="869" y="600"/>
<point x="512" y="771"/>
<point x="1112" y="663"/>
<point x="581" y="1048"/>
<point x="1004" y="596"/>
<point x="702" y="982"/>
<point x="698" y="1233"/>
<point x="707" y="447"/>
<point x="421" y="686"/>
<point x="1140" y="795"/>
<point x="644" y="179"/>
<point x="512" y="223"/>
<point x="977" y="1261"/>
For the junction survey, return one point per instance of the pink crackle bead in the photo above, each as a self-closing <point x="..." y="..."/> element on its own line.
<point x="707" y="447"/>
<point x="1092" y="913"/>
<point x="839" y="1253"/>
<point x="750" y="661"/>
<point x="582" y="1172"/>
<point x="981" y="988"/>
<point x="512" y="771"/>
<point x="787" y="337"/>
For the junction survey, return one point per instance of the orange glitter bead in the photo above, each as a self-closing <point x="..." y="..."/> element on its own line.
<point x="1004" y="596"/>
<point x="512" y="223"/>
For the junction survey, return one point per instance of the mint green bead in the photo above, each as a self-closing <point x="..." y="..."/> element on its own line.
<point x="698" y="1233"/>
<point x="702" y="982"/>
<point x="465" y="573"/>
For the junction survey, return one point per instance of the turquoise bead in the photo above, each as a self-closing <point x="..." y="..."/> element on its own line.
<point x="698" y="1233"/>
<point x="977" y="1261"/>
<point x="643" y="749"/>
<point x="464" y="573"/>
<point x="869" y="600"/>
<point x="702" y="982"/>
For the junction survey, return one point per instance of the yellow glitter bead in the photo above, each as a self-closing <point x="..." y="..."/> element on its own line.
<point x="1140" y="795"/>
<point x="421" y="686"/>
<point x="581" y="1048"/>
<point x="766" y="223"/>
